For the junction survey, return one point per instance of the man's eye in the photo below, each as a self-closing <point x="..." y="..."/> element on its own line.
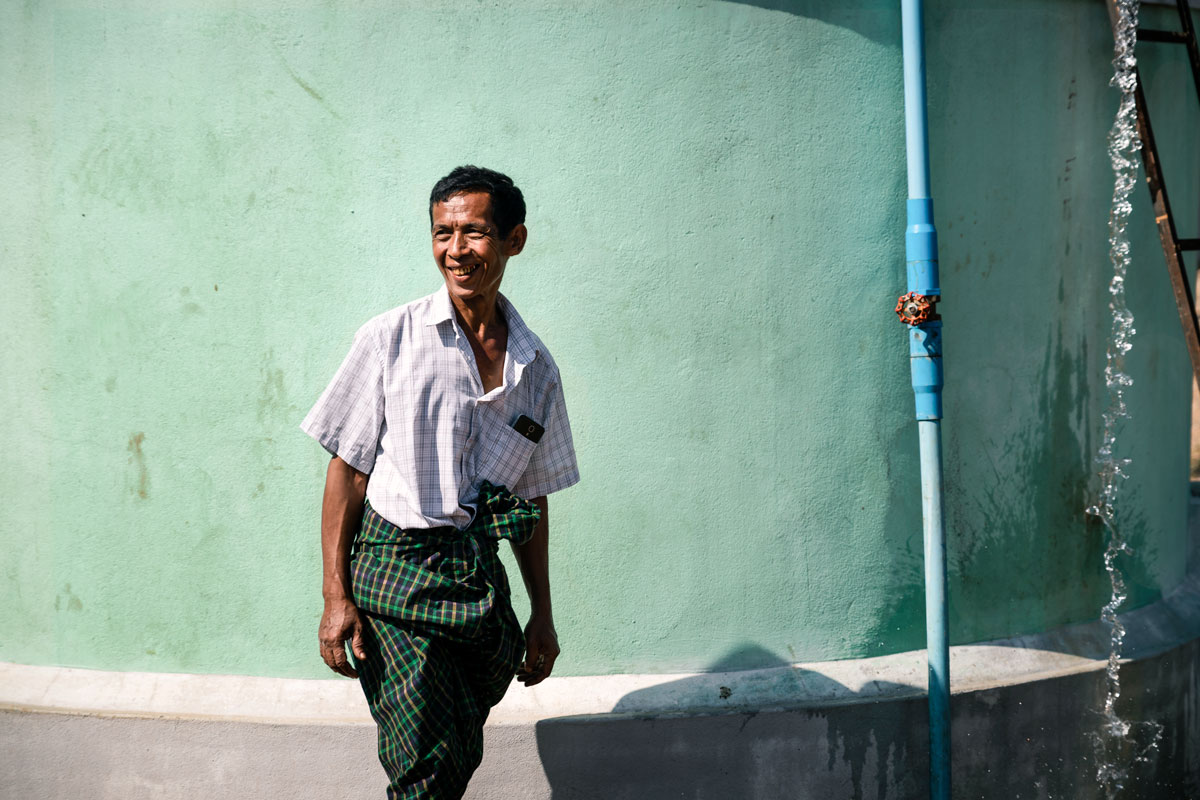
<point x="476" y="234"/>
<point x="441" y="236"/>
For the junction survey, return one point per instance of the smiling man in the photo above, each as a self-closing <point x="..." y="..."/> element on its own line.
<point x="448" y="429"/>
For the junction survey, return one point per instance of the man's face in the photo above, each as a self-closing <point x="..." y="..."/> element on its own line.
<point x="467" y="245"/>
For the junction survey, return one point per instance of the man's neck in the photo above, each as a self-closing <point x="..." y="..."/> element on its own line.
<point x="479" y="315"/>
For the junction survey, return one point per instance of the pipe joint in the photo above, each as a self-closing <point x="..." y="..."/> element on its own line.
<point x="920" y="248"/>
<point x="920" y="237"/>
<point x="925" y="358"/>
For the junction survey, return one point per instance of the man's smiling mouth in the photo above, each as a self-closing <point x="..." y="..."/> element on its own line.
<point x="462" y="272"/>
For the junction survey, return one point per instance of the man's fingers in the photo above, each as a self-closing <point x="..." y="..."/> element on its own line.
<point x="334" y="657"/>
<point x="541" y="651"/>
<point x="542" y="668"/>
<point x="538" y="652"/>
<point x="327" y="657"/>
<point x="531" y="678"/>
<point x="538" y="665"/>
<point x="357" y="645"/>
<point x="341" y="625"/>
<point x="534" y="662"/>
<point x="341" y="663"/>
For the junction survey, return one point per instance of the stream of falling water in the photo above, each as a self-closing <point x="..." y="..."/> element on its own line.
<point x="1119" y="744"/>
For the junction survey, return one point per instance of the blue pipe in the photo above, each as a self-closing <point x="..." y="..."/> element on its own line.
<point x="925" y="351"/>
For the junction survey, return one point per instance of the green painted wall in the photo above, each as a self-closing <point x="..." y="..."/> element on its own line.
<point x="205" y="199"/>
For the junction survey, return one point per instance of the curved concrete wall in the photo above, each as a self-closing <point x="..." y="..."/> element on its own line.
<point x="207" y="198"/>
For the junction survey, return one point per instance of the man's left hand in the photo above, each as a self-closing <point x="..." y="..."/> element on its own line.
<point x="541" y="650"/>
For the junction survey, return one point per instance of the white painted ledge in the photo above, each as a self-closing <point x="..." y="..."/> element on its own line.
<point x="1065" y="651"/>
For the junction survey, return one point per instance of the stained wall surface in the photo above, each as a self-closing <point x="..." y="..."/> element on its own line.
<point x="205" y="199"/>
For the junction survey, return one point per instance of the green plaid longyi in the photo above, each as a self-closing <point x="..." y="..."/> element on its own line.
<point x="442" y="643"/>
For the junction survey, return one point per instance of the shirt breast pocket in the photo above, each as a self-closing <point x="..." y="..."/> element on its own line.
<point x="504" y="457"/>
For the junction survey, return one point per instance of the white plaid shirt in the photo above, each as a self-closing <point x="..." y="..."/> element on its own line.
<point x="407" y="407"/>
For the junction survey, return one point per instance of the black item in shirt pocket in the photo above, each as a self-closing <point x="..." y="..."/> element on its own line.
<point x="503" y="457"/>
<point x="529" y="429"/>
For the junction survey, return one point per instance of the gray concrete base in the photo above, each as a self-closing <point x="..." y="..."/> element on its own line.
<point x="1029" y="740"/>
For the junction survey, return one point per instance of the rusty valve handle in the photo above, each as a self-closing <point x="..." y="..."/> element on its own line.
<point x="913" y="308"/>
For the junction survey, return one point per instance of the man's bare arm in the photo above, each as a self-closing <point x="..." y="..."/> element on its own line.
<point x="541" y="640"/>
<point x="341" y="516"/>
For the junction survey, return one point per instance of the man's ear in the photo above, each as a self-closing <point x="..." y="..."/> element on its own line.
<point x="515" y="242"/>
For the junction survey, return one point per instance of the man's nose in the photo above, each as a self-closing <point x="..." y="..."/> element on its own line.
<point x="458" y="245"/>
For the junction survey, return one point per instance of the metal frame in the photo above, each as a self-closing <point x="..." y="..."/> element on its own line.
<point x="1173" y="246"/>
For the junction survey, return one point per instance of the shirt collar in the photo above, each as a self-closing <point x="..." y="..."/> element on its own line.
<point x="521" y="342"/>
<point x="441" y="309"/>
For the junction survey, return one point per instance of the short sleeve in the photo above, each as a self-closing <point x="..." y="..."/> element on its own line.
<point x="348" y="418"/>
<point x="553" y="466"/>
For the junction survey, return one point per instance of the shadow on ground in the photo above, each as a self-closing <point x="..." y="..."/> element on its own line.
<point x="735" y="735"/>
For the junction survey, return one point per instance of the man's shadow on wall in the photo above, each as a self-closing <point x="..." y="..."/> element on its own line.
<point x="732" y="734"/>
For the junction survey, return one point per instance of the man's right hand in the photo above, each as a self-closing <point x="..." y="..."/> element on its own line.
<point x="341" y="514"/>
<point x="341" y="623"/>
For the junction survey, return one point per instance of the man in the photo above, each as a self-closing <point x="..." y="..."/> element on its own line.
<point x="448" y="429"/>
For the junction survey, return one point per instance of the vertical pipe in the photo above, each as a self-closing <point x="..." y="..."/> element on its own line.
<point x="937" y="629"/>
<point x="915" y="125"/>
<point x="925" y="351"/>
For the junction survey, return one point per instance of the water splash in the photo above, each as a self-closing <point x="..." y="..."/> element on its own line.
<point x="1119" y="744"/>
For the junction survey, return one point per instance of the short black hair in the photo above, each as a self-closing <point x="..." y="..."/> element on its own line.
<point x="508" y="204"/>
